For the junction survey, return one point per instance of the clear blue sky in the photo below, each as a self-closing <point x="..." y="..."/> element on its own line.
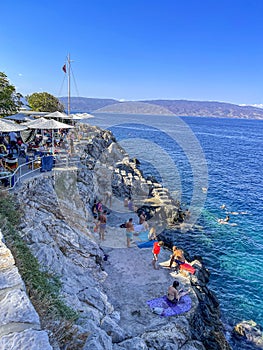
<point x="138" y="49"/>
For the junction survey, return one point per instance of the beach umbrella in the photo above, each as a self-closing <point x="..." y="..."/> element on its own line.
<point x="50" y="124"/>
<point x="35" y="121"/>
<point x="81" y="116"/>
<point x="57" y="115"/>
<point x="19" y="117"/>
<point x="75" y="116"/>
<point x="86" y="115"/>
<point x="9" y="126"/>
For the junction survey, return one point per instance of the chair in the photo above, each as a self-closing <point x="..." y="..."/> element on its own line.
<point x="11" y="164"/>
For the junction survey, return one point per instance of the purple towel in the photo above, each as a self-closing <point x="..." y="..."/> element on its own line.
<point x="169" y="308"/>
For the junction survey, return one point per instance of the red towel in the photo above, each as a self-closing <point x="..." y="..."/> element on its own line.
<point x="187" y="267"/>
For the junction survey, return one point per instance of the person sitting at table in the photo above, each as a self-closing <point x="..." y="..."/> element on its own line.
<point x="11" y="162"/>
<point x="13" y="140"/>
<point x="1" y="165"/>
<point x="23" y="149"/>
<point x="3" y="150"/>
<point x="3" y="141"/>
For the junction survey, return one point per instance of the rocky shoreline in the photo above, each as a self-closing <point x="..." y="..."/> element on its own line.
<point x="110" y="296"/>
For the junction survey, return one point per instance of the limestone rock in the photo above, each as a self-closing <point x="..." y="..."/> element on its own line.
<point x="193" y="345"/>
<point x="6" y="258"/>
<point x="113" y="329"/>
<point x="98" y="341"/>
<point x="16" y="307"/>
<point x="27" y="340"/>
<point x="251" y="331"/>
<point x="10" y="278"/>
<point x="135" y="343"/>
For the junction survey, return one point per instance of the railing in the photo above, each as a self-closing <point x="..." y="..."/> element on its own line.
<point x="34" y="166"/>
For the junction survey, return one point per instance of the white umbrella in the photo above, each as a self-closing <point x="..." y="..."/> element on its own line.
<point x="20" y="117"/>
<point x="80" y="116"/>
<point x="49" y="124"/>
<point x="35" y="121"/>
<point x="86" y="115"/>
<point x="57" y="115"/>
<point x="9" y="126"/>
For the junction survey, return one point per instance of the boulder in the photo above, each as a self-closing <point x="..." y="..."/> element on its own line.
<point x="250" y="331"/>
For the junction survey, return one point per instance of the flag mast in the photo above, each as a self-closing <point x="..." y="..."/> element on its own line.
<point x="68" y="59"/>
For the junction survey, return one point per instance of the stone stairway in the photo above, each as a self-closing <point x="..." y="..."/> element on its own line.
<point x="19" y="323"/>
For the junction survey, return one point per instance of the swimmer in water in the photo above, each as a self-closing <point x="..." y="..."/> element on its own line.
<point x="224" y="221"/>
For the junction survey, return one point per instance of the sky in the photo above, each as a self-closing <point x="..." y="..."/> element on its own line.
<point x="205" y="50"/>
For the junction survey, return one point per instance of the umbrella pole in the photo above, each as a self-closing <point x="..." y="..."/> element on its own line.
<point x="52" y="141"/>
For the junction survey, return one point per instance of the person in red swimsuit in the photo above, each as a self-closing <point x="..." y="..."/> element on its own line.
<point x="156" y="251"/>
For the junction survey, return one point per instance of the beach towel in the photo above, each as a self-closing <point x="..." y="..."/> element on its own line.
<point x="168" y="308"/>
<point x="148" y="244"/>
<point x="187" y="267"/>
<point x="143" y="236"/>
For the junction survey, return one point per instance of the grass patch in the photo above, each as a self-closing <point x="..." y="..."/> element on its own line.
<point x="42" y="287"/>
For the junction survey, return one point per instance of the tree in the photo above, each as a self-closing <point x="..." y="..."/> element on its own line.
<point x="44" y="102"/>
<point x="10" y="100"/>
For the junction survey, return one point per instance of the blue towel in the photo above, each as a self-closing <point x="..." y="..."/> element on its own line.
<point x="148" y="244"/>
<point x="47" y="163"/>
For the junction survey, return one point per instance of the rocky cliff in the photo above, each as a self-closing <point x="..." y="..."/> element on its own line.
<point x="106" y="283"/>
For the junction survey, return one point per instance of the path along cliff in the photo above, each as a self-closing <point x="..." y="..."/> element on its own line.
<point x="105" y="283"/>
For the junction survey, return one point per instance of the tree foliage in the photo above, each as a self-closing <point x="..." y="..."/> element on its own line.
<point x="10" y="100"/>
<point x="44" y="102"/>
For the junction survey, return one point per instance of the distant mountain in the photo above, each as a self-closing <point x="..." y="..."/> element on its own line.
<point x="209" y="109"/>
<point x="177" y="107"/>
<point x="85" y="104"/>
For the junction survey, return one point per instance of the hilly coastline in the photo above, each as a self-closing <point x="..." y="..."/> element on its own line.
<point x="176" y="107"/>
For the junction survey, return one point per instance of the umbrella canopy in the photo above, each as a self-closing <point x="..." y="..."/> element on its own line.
<point x="35" y="121"/>
<point x="48" y="124"/>
<point x="57" y="115"/>
<point x="79" y="116"/>
<point x="8" y="126"/>
<point x="20" y="117"/>
<point x="86" y="115"/>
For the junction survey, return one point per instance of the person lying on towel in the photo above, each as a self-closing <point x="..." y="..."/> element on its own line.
<point x="173" y="294"/>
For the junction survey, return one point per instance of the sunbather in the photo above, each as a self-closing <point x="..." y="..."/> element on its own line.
<point x="173" y="294"/>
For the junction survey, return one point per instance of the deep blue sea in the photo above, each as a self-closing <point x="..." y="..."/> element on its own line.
<point x="208" y="162"/>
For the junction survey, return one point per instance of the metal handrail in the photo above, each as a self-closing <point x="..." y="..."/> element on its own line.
<point x="18" y="174"/>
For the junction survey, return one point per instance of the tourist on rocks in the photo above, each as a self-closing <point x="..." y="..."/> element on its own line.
<point x="130" y="204"/>
<point x="99" y="208"/>
<point x="142" y="218"/>
<point x="108" y="198"/>
<point x="125" y="202"/>
<point x="152" y="234"/>
<point x="173" y="294"/>
<point x="177" y="256"/>
<point x="156" y="251"/>
<point x="102" y="224"/>
<point x="94" y="209"/>
<point x="129" y="232"/>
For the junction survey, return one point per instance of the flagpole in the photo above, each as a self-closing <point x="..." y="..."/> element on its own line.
<point x="68" y="84"/>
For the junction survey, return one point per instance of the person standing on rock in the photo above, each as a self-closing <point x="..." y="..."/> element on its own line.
<point x="129" y="232"/>
<point x="177" y="257"/>
<point x="102" y="224"/>
<point x="156" y="251"/>
<point x="99" y="208"/>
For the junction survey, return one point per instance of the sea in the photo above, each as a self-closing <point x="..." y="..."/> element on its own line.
<point x="214" y="166"/>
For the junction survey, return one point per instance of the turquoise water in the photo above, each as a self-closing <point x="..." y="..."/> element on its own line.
<point x="233" y="153"/>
